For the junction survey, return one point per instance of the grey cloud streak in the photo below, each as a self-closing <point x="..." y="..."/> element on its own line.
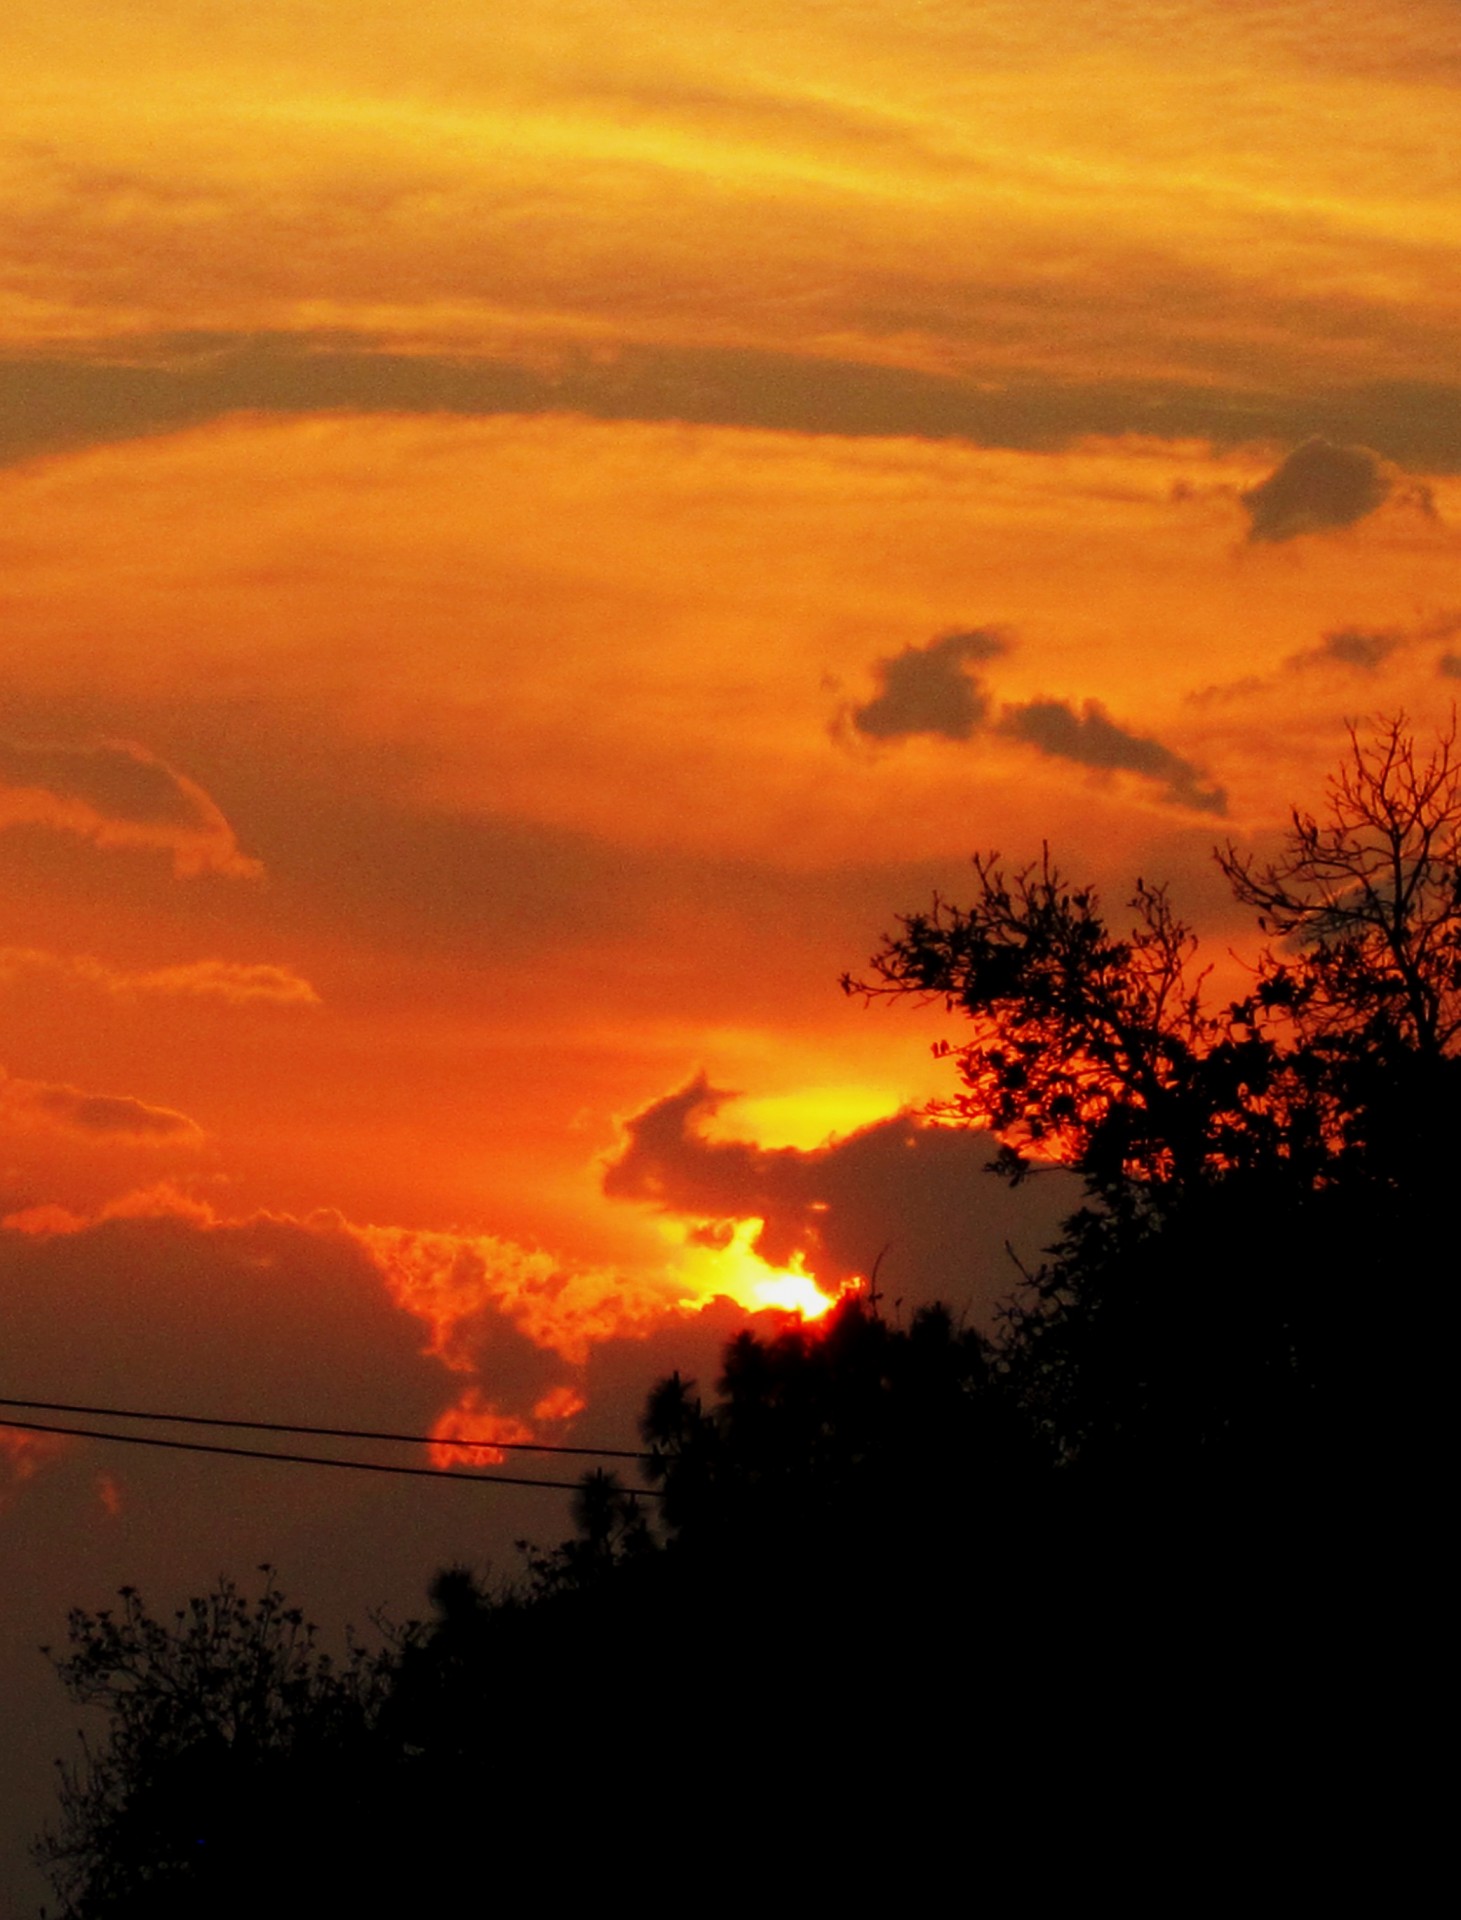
<point x="1091" y="738"/>
<point x="118" y="390"/>
<point x="1349" y="650"/>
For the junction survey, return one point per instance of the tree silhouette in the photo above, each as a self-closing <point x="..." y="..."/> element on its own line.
<point x="1251" y="1169"/>
<point x="234" y="1745"/>
<point x="1371" y="898"/>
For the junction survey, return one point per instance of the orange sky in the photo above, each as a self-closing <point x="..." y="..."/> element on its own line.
<point x="527" y="536"/>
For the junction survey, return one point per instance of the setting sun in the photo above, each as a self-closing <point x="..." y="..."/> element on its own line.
<point x="734" y="1270"/>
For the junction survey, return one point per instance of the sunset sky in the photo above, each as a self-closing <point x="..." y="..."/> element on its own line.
<point x="527" y="537"/>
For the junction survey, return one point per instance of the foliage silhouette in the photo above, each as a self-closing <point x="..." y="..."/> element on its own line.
<point x="234" y="1745"/>
<point x="1250" y="1169"/>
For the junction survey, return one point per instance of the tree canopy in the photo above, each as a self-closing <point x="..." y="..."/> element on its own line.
<point x="1255" y="1171"/>
<point x="233" y="1742"/>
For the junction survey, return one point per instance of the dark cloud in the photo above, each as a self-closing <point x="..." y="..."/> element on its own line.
<point x="919" y="1191"/>
<point x="167" y="1307"/>
<point x="1351" y="647"/>
<point x="930" y="689"/>
<point x="1320" y="485"/>
<point x="124" y="781"/>
<point x="1355" y="649"/>
<point x="263" y="1318"/>
<point x="1092" y="738"/>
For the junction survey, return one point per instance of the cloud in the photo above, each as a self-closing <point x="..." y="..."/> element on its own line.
<point x="117" y="794"/>
<point x="918" y="1190"/>
<point x="233" y="982"/>
<point x="1320" y="485"/>
<point x="467" y="1286"/>
<point x="1092" y="738"/>
<point x="93" y="1115"/>
<point x="101" y="391"/>
<point x="1351" y="647"/>
<point x="159" y="1302"/>
<point x="474" y="1418"/>
<point x="416" y="1331"/>
<point x="930" y="689"/>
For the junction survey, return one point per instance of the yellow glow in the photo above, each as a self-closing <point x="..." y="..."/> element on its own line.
<point x="805" y="1119"/>
<point x="736" y="1271"/>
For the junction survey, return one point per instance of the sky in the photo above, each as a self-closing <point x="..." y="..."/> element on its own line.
<point x="528" y="537"/>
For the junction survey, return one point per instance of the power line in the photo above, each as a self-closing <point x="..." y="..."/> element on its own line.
<point x="318" y="1433"/>
<point x="306" y="1459"/>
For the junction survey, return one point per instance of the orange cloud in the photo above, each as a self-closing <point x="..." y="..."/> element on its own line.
<point x="119" y="795"/>
<point x="459" y="1283"/>
<point x="560" y="1404"/>
<point x="474" y="1418"/>
<point x="638" y="671"/>
<point x="93" y="1115"/>
<point x="22" y="1455"/>
<point x="233" y="982"/>
<point x="992" y="189"/>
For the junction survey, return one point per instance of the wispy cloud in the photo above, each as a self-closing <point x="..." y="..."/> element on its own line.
<point x="93" y="1115"/>
<point x="118" y="794"/>
<point x="234" y="982"/>
<point x="1347" y="651"/>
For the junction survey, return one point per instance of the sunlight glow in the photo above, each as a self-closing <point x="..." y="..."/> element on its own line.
<point x="734" y="1270"/>
<point x="807" y="1118"/>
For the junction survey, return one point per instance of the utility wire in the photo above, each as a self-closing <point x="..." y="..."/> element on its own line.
<point x="318" y="1433"/>
<point x="306" y="1459"/>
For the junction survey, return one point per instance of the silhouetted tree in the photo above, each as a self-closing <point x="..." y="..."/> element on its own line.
<point x="239" y="1771"/>
<point x="1255" y="1172"/>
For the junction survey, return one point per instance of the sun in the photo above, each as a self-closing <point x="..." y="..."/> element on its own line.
<point x="735" y="1270"/>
